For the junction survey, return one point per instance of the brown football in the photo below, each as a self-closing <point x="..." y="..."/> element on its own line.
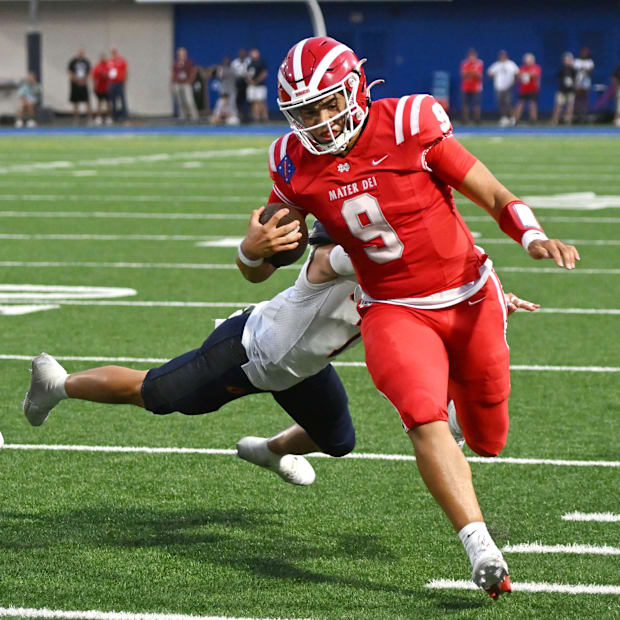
<point x="286" y="257"/>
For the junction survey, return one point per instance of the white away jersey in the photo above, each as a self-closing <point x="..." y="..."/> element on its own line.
<point x="295" y="335"/>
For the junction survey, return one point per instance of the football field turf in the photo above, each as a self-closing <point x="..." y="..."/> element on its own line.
<point x="121" y="250"/>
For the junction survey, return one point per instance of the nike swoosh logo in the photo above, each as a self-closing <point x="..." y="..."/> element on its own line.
<point x="376" y="162"/>
<point x="473" y="303"/>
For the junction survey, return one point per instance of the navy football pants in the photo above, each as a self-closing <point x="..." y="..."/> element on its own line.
<point x="205" y="379"/>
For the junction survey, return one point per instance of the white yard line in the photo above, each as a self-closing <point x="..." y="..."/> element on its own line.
<point x="242" y="304"/>
<point x="600" y="517"/>
<point x="136" y="265"/>
<point x="481" y="240"/>
<point x="93" y="614"/>
<point x="82" y="198"/>
<point x="161" y="360"/>
<point x="355" y="455"/>
<point x="571" y="548"/>
<point x="526" y="586"/>
<point x="550" y="218"/>
<point x="123" y="215"/>
<point x="131" y="159"/>
<point x="77" y="237"/>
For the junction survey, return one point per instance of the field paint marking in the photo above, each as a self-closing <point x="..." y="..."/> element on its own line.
<point x="161" y="360"/>
<point x="570" y="548"/>
<point x="355" y="455"/>
<point x="580" y="201"/>
<point x="124" y="198"/>
<point x="122" y="265"/>
<point x="551" y="218"/>
<point x="48" y="292"/>
<point x="17" y="309"/>
<point x="601" y="517"/>
<point x="126" y="215"/>
<point x="527" y="586"/>
<point x="93" y="614"/>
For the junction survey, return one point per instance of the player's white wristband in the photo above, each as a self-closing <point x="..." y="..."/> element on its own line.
<point x="257" y="262"/>
<point x="532" y="235"/>
<point x="340" y="262"/>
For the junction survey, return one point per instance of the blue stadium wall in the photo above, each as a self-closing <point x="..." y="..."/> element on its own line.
<point x="405" y="42"/>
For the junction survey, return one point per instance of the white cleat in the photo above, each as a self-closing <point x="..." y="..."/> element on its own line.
<point x="46" y="388"/>
<point x="292" y="468"/>
<point x="455" y="427"/>
<point x="490" y="572"/>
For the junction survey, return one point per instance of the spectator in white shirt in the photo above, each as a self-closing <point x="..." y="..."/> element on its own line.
<point x="504" y="71"/>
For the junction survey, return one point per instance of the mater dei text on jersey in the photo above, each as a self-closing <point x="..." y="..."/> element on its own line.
<point x="352" y="188"/>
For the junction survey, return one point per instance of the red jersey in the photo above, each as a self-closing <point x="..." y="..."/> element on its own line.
<point x="472" y="83"/>
<point x="529" y="79"/>
<point x="100" y="77"/>
<point x="382" y="202"/>
<point x="117" y="69"/>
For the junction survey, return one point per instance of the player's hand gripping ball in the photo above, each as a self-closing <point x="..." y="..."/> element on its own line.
<point x="286" y="257"/>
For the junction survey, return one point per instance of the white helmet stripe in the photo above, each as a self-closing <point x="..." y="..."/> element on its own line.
<point x="285" y="85"/>
<point x="398" y="119"/>
<point x="298" y="72"/>
<point x="415" y="114"/>
<point x="319" y="72"/>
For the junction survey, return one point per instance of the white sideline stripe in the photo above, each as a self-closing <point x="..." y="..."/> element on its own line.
<point x="527" y="586"/>
<point x="126" y="215"/>
<point x="601" y="517"/>
<point x="570" y="548"/>
<point x="161" y="360"/>
<point x="92" y="614"/>
<point x="550" y="270"/>
<point x="368" y="456"/>
<point x="243" y="304"/>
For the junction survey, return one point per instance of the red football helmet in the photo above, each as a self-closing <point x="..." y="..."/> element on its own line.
<point x="312" y="70"/>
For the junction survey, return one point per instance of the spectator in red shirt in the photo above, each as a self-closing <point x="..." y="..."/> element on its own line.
<point x="100" y="86"/>
<point x="529" y="87"/>
<point x="471" y="85"/>
<point x="117" y="76"/>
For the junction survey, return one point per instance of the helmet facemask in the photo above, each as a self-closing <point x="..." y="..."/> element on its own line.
<point x="352" y="116"/>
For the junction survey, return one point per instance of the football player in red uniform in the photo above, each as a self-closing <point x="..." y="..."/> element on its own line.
<point x="380" y="177"/>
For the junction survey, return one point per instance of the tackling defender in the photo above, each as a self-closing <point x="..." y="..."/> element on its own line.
<point x="282" y="346"/>
<point x="380" y="180"/>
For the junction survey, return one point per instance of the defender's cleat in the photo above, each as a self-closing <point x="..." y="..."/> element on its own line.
<point x="490" y="573"/>
<point x="292" y="468"/>
<point x="46" y="388"/>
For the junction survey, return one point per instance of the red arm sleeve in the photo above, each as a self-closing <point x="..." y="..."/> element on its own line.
<point x="449" y="160"/>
